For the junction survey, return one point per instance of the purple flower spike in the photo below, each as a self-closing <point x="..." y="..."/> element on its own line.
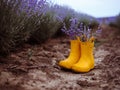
<point x="78" y="29"/>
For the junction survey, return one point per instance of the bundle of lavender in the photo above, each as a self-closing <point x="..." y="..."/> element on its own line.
<point x="79" y="29"/>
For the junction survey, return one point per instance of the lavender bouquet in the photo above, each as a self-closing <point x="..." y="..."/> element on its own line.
<point x="79" y="29"/>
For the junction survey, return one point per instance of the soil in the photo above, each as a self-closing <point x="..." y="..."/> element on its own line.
<point x="35" y="67"/>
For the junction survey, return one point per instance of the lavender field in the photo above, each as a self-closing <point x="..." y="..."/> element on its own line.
<point x="35" y="36"/>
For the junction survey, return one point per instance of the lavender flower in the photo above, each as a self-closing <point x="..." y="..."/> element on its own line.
<point x="73" y="30"/>
<point x="79" y="29"/>
<point x="30" y="7"/>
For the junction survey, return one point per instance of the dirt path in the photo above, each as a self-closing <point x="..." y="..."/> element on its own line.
<point x="35" y="68"/>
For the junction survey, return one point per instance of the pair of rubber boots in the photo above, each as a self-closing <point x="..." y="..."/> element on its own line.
<point x="81" y="57"/>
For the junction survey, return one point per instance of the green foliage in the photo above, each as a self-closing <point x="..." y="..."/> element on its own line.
<point x="47" y="28"/>
<point x="7" y="21"/>
<point x="94" y="24"/>
<point x="15" y="25"/>
<point x="116" y="23"/>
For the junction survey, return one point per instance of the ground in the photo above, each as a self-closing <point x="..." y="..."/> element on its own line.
<point x="35" y="67"/>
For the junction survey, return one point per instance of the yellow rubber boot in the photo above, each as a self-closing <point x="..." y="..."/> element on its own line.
<point x="73" y="56"/>
<point x="90" y="52"/>
<point x="86" y="61"/>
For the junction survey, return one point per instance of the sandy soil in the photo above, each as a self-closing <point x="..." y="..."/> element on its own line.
<point x="36" y="67"/>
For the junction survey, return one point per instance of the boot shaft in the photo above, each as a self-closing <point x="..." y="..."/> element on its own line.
<point x="75" y="52"/>
<point x="75" y="47"/>
<point x="87" y="47"/>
